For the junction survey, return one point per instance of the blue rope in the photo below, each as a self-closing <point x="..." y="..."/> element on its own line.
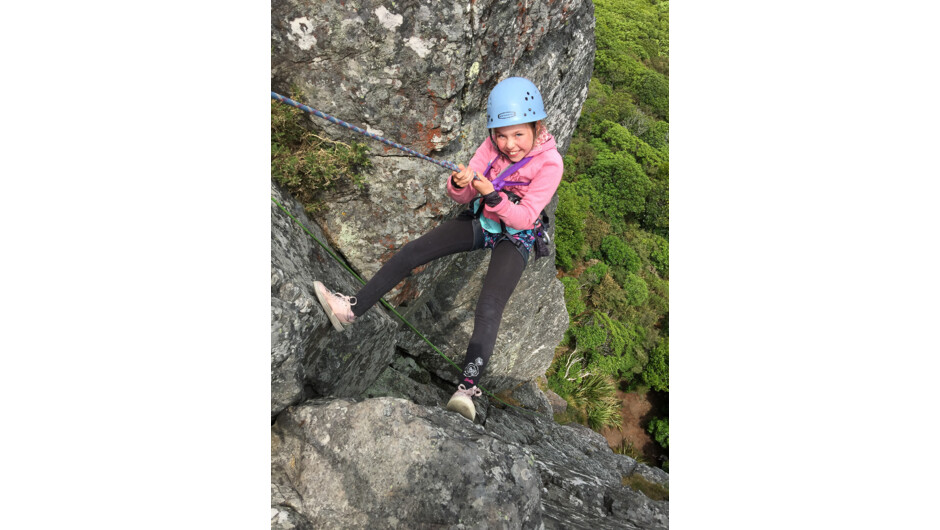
<point x="443" y="163"/>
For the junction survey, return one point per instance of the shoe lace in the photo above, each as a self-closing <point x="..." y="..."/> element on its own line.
<point x="469" y="392"/>
<point x="351" y="300"/>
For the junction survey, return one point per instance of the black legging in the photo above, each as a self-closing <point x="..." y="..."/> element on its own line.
<point x="458" y="235"/>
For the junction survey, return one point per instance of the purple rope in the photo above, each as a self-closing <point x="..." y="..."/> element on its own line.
<point x="443" y="163"/>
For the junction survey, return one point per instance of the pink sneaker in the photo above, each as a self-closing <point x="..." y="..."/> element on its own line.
<point x="462" y="403"/>
<point x="337" y="306"/>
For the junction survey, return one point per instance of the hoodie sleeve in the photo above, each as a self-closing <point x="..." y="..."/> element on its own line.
<point x="538" y="194"/>
<point x="461" y="195"/>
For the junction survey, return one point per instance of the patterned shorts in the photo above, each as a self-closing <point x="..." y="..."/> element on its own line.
<point x="523" y="241"/>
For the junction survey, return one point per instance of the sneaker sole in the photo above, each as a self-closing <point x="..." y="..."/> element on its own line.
<point x="467" y="410"/>
<point x="317" y="287"/>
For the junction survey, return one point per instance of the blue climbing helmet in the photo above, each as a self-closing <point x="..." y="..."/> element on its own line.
<point x="513" y="101"/>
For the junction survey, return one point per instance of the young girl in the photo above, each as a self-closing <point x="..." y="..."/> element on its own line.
<point x="509" y="180"/>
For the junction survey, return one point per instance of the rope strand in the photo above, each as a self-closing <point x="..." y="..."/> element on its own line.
<point x="443" y="163"/>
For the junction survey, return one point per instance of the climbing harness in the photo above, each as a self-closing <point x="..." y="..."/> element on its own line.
<point x="500" y="182"/>
<point x="392" y="309"/>
<point x="535" y="237"/>
<point x="443" y="163"/>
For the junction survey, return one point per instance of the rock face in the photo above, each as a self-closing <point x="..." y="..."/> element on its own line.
<point x="360" y="437"/>
<point x="582" y="479"/>
<point x="305" y="349"/>
<point x="390" y="463"/>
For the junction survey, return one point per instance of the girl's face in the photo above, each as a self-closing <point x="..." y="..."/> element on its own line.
<point x="515" y="141"/>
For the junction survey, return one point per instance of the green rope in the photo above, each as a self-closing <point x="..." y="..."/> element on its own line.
<point x="393" y="310"/>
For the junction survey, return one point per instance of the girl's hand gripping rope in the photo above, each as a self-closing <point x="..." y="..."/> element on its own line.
<point x="465" y="176"/>
<point x="483" y="186"/>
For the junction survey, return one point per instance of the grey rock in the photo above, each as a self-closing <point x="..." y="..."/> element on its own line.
<point x="285" y="518"/>
<point x="388" y="463"/>
<point x="305" y="349"/>
<point x="529" y="396"/>
<point x="559" y="405"/>
<point x="582" y="479"/>
<point x="403" y="378"/>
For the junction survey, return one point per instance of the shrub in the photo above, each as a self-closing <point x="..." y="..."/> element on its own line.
<point x="654" y="248"/>
<point x="591" y="397"/>
<point x="652" y="91"/>
<point x="599" y="393"/>
<point x="659" y="295"/>
<point x="603" y="103"/>
<point x="596" y="228"/>
<point x="619" y="367"/>
<point x="659" y="253"/>
<point x="573" y="302"/>
<point x="657" y="135"/>
<point x="569" y="225"/>
<point x="659" y="429"/>
<point x="614" y="249"/>
<point x="595" y="273"/>
<point x="564" y="374"/>
<point x="621" y="183"/>
<point x="635" y="290"/>
<point x="656" y="372"/>
<point x="589" y="337"/>
<point x="604" y="413"/>
<point x="307" y="164"/>
<point x="615" y="355"/>
<point x="656" y="214"/>
<point x="609" y="297"/>
<point x="618" y="252"/>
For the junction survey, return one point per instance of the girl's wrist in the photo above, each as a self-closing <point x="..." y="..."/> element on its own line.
<point x="492" y="198"/>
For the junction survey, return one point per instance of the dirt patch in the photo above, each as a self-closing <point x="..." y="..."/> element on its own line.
<point x="636" y="411"/>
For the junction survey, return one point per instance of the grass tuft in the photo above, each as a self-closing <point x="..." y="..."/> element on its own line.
<point x="308" y="164"/>
<point x="654" y="491"/>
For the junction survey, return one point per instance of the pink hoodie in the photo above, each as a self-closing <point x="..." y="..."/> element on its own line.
<point x="543" y="173"/>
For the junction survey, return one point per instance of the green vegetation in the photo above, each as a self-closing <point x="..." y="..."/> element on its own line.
<point x="650" y="489"/>
<point x="612" y="222"/>
<point x="659" y="428"/>
<point x="307" y="164"/>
